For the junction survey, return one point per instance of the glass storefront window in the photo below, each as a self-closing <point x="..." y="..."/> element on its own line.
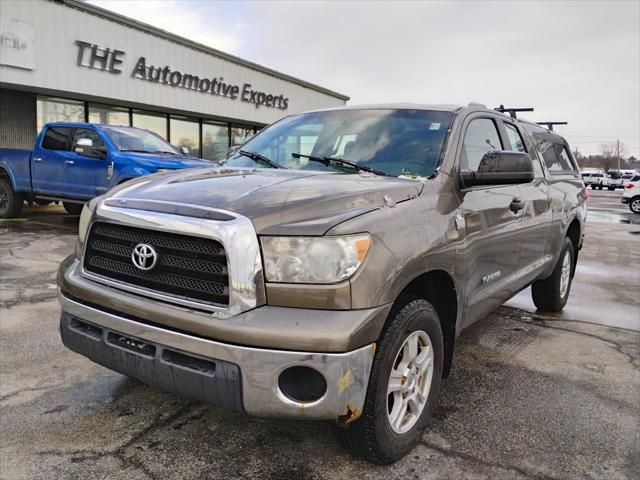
<point x="185" y="132"/>
<point x="154" y="122"/>
<point x="108" y="114"/>
<point x="215" y="141"/>
<point x="239" y="135"/>
<point x="50" y="109"/>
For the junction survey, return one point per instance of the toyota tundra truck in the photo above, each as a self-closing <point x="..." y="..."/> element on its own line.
<point x="75" y="162"/>
<point x="326" y="269"/>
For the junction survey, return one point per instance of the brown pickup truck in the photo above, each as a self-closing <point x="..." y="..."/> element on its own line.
<point x="325" y="271"/>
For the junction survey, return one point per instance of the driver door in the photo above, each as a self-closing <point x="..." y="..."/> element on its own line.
<point x="492" y="223"/>
<point x="82" y="171"/>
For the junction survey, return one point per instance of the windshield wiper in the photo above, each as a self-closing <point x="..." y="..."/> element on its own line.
<point x="258" y="157"/>
<point x="328" y="161"/>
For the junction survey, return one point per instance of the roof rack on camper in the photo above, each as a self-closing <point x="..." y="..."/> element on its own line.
<point x="550" y="125"/>
<point x="512" y="111"/>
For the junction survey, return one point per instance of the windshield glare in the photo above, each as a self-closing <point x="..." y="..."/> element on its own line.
<point x="136" y="139"/>
<point x="399" y="142"/>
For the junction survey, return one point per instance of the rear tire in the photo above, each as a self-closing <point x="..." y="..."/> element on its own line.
<point x="11" y="202"/>
<point x="413" y="321"/>
<point x="551" y="294"/>
<point x="634" y="205"/>
<point x="73" y="208"/>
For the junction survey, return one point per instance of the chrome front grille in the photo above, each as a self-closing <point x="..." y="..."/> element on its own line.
<point x="188" y="267"/>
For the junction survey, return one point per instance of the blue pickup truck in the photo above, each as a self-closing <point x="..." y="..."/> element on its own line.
<point x="74" y="162"/>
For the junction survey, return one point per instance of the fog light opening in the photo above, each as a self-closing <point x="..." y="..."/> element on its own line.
<point x="302" y="384"/>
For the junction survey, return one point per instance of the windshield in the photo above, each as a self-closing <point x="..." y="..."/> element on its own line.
<point x="394" y="142"/>
<point x="136" y="140"/>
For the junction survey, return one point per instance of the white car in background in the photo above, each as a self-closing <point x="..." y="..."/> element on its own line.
<point x="613" y="181"/>
<point x="597" y="180"/>
<point x="630" y="177"/>
<point x="631" y="195"/>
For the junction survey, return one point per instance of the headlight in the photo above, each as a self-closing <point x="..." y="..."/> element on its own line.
<point x="313" y="259"/>
<point x="83" y="224"/>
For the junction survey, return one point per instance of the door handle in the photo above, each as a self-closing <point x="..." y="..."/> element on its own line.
<point x="37" y="159"/>
<point x="69" y="162"/>
<point x="516" y="204"/>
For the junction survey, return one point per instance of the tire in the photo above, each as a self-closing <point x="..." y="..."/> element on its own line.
<point x="73" y="208"/>
<point x="634" y="205"/>
<point x="551" y="294"/>
<point x="372" y="436"/>
<point x="611" y="188"/>
<point x="11" y="202"/>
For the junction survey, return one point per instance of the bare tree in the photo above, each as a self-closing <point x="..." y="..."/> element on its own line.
<point x="608" y="151"/>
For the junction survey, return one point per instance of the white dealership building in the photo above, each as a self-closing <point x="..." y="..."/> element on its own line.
<point x="66" y="60"/>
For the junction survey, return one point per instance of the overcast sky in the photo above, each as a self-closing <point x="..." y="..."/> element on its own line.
<point x="573" y="61"/>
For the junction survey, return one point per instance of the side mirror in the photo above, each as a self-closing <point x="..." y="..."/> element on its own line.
<point x="499" y="167"/>
<point x="84" y="146"/>
<point x="184" y="150"/>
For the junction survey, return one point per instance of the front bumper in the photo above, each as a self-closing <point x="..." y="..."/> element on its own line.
<point x="230" y="376"/>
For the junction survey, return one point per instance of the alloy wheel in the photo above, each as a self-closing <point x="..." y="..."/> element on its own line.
<point x="565" y="274"/>
<point x="410" y="382"/>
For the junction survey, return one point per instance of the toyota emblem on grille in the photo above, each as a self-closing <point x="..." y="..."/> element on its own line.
<point x="144" y="256"/>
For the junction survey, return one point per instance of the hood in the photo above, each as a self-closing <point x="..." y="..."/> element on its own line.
<point x="276" y="201"/>
<point x="166" y="161"/>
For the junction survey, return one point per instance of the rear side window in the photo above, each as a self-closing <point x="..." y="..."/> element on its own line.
<point x="57" y="138"/>
<point x="554" y="154"/>
<point x="480" y="137"/>
<point x="517" y="144"/>
<point x="563" y="154"/>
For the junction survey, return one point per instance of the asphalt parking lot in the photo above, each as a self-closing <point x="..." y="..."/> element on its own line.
<point x="530" y="395"/>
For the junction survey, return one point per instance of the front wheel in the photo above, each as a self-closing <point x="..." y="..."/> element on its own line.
<point x="634" y="205"/>
<point x="11" y="202"/>
<point x="551" y="294"/>
<point x="403" y="386"/>
<point x="73" y="208"/>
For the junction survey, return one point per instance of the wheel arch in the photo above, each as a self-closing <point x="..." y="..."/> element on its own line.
<point x="438" y="288"/>
<point x="6" y="173"/>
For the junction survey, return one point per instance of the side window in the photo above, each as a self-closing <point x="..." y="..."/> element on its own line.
<point x="56" y="138"/>
<point x="480" y="137"/>
<point x="554" y="154"/>
<point x="517" y="144"/>
<point x="563" y="155"/>
<point x="87" y="133"/>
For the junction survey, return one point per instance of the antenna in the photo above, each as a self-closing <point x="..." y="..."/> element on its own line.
<point x="550" y="125"/>
<point x="512" y="111"/>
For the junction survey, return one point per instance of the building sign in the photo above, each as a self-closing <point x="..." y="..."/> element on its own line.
<point x="109" y="60"/>
<point x="17" y="46"/>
